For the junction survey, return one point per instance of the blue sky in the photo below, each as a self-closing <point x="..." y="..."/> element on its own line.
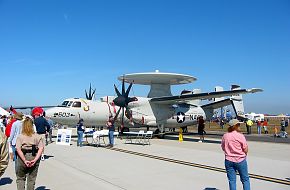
<point x="52" y="49"/>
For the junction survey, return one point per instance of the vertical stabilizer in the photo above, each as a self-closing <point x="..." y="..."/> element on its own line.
<point x="194" y="91"/>
<point x="218" y="89"/>
<point x="196" y="102"/>
<point x="238" y="103"/>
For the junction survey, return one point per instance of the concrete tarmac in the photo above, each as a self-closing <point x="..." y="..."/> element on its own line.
<point x="89" y="167"/>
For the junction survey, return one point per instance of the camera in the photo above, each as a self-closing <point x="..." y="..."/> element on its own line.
<point x="34" y="150"/>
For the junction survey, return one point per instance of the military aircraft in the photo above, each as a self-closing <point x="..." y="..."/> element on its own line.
<point x="159" y="109"/>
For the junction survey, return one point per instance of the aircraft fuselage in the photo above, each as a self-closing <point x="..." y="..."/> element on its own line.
<point x="144" y="113"/>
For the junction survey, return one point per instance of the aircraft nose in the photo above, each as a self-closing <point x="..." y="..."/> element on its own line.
<point x="50" y="112"/>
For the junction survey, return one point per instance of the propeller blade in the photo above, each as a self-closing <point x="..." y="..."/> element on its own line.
<point x="117" y="114"/>
<point x="132" y="99"/>
<point x="123" y="86"/>
<point x="86" y="94"/>
<point x="117" y="91"/>
<point x="94" y="91"/>
<point x="128" y="90"/>
<point x="90" y="93"/>
<point x="90" y="90"/>
<point x="122" y="119"/>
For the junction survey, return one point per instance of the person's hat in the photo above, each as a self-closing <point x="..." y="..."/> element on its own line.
<point x="18" y="116"/>
<point x="29" y="116"/>
<point x="37" y="111"/>
<point x="81" y="120"/>
<point x="234" y="122"/>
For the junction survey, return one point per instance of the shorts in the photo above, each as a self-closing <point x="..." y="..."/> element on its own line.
<point x="42" y="137"/>
<point x="200" y="131"/>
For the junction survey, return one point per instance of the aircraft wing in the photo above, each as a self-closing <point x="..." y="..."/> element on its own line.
<point x="31" y="107"/>
<point x="13" y="109"/>
<point x="201" y="96"/>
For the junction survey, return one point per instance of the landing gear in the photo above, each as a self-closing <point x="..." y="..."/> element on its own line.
<point x="160" y="132"/>
<point x="124" y="129"/>
<point x="157" y="131"/>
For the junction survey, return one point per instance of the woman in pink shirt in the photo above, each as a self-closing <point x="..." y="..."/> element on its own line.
<point x="235" y="146"/>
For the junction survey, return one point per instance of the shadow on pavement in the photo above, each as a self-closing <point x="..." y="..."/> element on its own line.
<point x="42" y="188"/>
<point x="251" y="137"/>
<point x="46" y="157"/>
<point x="192" y="140"/>
<point x="6" y="181"/>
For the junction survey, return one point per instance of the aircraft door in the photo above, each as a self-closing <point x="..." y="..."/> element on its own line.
<point x="76" y="111"/>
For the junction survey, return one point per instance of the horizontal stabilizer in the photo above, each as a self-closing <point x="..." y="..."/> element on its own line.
<point x="219" y="104"/>
<point x="209" y="108"/>
<point x="254" y="90"/>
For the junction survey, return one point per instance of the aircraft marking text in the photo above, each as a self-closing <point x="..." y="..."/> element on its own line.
<point x="63" y="114"/>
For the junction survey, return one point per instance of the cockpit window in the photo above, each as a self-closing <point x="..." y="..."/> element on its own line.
<point x="77" y="104"/>
<point x="69" y="104"/>
<point x="64" y="103"/>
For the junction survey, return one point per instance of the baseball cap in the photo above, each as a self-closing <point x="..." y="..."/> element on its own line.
<point x="234" y="122"/>
<point x="37" y="111"/>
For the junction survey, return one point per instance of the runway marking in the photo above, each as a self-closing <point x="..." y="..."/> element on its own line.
<point x="202" y="166"/>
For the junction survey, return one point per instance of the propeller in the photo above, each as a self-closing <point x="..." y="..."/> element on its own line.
<point x="122" y="100"/>
<point x="91" y="93"/>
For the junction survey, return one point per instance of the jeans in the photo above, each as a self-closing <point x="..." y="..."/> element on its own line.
<point x="14" y="156"/>
<point x="242" y="168"/>
<point x="80" y="138"/>
<point x="259" y="129"/>
<point x="111" y="137"/>
<point x="14" y="152"/>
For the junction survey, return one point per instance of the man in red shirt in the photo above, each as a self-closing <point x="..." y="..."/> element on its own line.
<point x="265" y="124"/>
<point x="7" y="133"/>
<point x="8" y="126"/>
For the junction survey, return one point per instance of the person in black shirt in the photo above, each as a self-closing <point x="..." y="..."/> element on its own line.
<point x="200" y="128"/>
<point x="80" y="131"/>
<point x="42" y="128"/>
